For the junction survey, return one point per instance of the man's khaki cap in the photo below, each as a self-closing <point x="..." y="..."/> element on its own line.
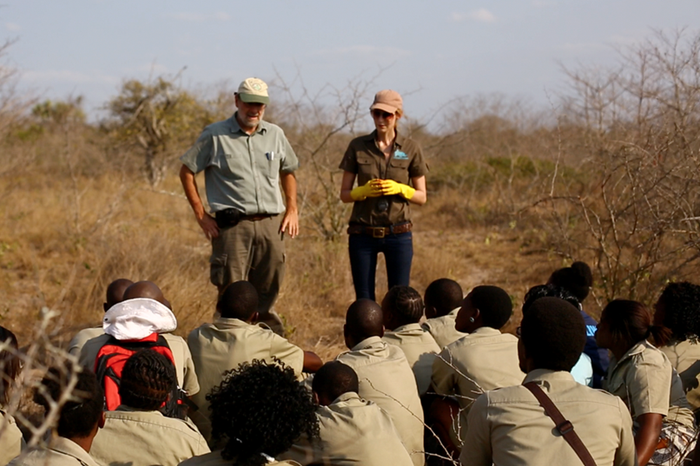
<point x="387" y="100"/>
<point x="253" y="91"/>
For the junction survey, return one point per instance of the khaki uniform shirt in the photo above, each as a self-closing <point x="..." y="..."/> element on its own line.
<point x="483" y="360"/>
<point x="420" y="350"/>
<point x="224" y="345"/>
<point x="386" y="379"/>
<point x="145" y="438"/>
<point x="11" y="441"/>
<point x="443" y="329"/>
<point x="685" y="359"/>
<point x="364" y="159"/>
<point x="508" y="426"/>
<point x="82" y="337"/>
<point x="214" y="459"/>
<point x="647" y="383"/>
<point x="352" y="431"/>
<point x="61" y="452"/>
<point x="184" y="367"/>
<point x="241" y="171"/>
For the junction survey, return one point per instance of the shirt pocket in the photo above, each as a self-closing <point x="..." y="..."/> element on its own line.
<point x="366" y="170"/>
<point x="398" y="170"/>
<point x="272" y="161"/>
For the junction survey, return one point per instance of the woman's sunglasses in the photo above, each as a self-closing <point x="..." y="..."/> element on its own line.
<point x="382" y="114"/>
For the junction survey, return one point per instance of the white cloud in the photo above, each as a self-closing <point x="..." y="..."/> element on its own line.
<point x="481" y="15"/>
<point x="200" y="17"/>
<point x="69" y="76"/>
<point x="364" y="51"/>
<point x="13" y="27"/>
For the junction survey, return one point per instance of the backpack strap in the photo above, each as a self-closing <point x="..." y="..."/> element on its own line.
<point x="564" y="427"/>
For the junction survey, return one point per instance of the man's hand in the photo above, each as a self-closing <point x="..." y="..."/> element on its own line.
<point x="290" y="223"/>
<point x="209" y="226"/>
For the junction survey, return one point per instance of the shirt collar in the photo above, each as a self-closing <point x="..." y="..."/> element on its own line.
<point x="408" y="328"/>
<point x="548" y="376"/>
<point x="70" y="448"/>
<point x="636" y="349"/>
<point x="366" y="343"/>
<point x="486" y="331"/>
<point x="370" y="139"/>
<point x="229" y="322"/>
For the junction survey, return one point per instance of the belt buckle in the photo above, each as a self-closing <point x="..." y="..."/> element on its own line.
<point x="378" y="232"/>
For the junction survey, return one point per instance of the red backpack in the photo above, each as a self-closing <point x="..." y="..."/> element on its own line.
<point x="112" y="357"/>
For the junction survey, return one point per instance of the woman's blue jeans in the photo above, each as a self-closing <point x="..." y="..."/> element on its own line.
<point x="398" y="254"/>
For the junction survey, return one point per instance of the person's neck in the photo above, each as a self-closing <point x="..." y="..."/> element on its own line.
<point x="619" y="350"/>
<point x="83" y="442"/>
<point x="386" y="138"/>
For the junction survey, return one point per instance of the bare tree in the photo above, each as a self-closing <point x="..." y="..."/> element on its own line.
<point x="637" y="215"/>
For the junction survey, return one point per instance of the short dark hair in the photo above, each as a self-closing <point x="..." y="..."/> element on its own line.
<point x="238" y="301"/>
<point x="364" y="319"/>
<point x="83" y="411"/>
<point x="552" y="291"/>
<point x="405" y="303"/>
<point x="681" y="302"/>
<point x="444" y="295"/>
<point x="9" y="363"/>
<point x="334" y="379"/>
<point x="553" y="333"/>
<point x="630" y="322"/>
<point x="258" y="408"/>
<point x="578" y="279"/>
<point x="494" y="304"/>
<point x="147" y="379"/>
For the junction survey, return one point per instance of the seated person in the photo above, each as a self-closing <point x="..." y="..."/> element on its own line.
<point x="384" y="374"/>
<point x="643" y="377"/>
<point x="578" y="280"/>
<point x="115" y="295"/>
<point x="582" y="371"/>
<point x="509" y="426"/>
<point x="402" y="308"/>
<point x="129" y="320"/>
<point x="258" y="411"/>
<point x="352" y="431"/>
<point x="11" y="441"/>
<point x="482" y="360"/>
<point x="678" y="309"/>
<point x="443" y="299"/>
<point x="137" y="433"/>
<point x="78" y="420"/>
<point x="234" y="338"/>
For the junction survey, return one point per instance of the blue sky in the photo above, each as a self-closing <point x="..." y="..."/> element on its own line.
<point x="432" y="52"/>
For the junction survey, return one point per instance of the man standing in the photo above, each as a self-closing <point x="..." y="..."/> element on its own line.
<point x="244" y="160"/>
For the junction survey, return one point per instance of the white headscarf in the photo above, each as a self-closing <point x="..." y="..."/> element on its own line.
<point x="137" y="318"/>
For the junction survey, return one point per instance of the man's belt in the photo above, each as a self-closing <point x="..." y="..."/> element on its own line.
<point x="380" y="232"/>
<point x="228" y="218"/>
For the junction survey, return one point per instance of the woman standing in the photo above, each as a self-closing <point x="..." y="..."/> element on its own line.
<point x="385" y="164"/>
<point x="643" y="377"/>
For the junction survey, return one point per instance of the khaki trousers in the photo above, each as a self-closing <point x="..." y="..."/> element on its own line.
<point x="252" y="251"/>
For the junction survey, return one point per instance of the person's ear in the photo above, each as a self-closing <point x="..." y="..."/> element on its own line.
<point x="254" y="318"/>
<point x="316" y="398"/>
<point x="477" y="314"/>
<point x="103" y="419"/>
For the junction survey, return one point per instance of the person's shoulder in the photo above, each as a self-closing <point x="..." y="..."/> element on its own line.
<point x="210" y="459"/>
<point x="217" y="128"/>
<point x="361" y="141"/>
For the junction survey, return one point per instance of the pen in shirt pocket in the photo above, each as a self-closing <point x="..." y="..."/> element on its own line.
<point x="270" y="155"/>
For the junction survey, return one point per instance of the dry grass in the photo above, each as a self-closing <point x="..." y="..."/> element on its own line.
<point x="63" y="240"/>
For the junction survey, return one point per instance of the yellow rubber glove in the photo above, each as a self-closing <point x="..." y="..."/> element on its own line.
<point x="391" y="187"/>
<point x="370" y="189"/>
